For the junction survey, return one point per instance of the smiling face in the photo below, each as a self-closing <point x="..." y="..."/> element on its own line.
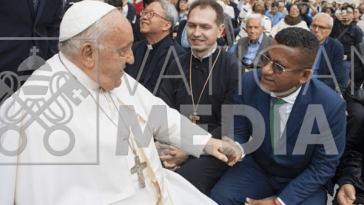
<point x="155" y="24"/>
<point x="202" y="30"/>
<point x="287" y="82"/>
<point x="254" y="29"/>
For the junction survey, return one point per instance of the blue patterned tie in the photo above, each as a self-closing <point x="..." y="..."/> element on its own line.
<point x="275" y="120"/>
<point x="36" y="4"/>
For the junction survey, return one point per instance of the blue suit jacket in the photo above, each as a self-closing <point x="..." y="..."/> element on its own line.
<point x="310" y="171"/>
<point x="335" y="53"/>
<point x="18" y="19"/>
<point x="155" y="67"/>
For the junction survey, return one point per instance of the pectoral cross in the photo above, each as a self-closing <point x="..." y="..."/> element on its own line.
<point x="194" y="117"/>
<point x="138" y="168"/>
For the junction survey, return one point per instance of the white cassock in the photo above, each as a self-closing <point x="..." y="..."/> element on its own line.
<point x="59" y="143"/>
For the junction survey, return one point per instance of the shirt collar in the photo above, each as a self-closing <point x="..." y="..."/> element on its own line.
<point x="78" y="73"/>
<point x="259" y="40"/>
<point x="290" y="98"/>
<point x="207" y="55"/>
<point x="325" y="42"/>
<point x="156" y="45"/>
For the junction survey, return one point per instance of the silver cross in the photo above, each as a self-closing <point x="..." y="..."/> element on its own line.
<point x="138" y="168"/>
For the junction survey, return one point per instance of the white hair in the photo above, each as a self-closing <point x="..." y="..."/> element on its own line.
<point x="170" y="11"/>
<point x="255" y="16"/>
<point x="93" y="34"/>
<point x="331" y="20"/>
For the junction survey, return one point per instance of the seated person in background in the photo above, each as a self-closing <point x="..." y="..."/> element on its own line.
<point x="349" y="174"/>
<point x="282" y="8"/>
<point x="205" y="64"/>
<point x="257" y="8"/>
<point x="322" y="26"/>
<point x="248" y="48"/>
<point x="293" y="19"/>
<point x="156" y="22"/>
<point x="348" y="34"/>
<point x="274" y="15"/>
<point x="297" y="129"/>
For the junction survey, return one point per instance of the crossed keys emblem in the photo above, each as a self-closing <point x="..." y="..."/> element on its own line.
<point x="52" y="114"/>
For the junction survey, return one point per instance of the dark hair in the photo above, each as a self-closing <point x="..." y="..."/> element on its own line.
<point x="116" y="3"/>
<point x="274" y="4"/>
<point x="146" y="3"/>
<point x="177" y="5"/>
<point x="302" y="39"/>
<point x="348" y="6"/>
<point x="331" y="9"/>
<point x="211" y="3"/>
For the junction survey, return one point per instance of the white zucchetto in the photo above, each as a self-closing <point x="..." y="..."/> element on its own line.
<point x="80" y="16"/>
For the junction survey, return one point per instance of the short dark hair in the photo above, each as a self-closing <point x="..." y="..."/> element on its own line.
<point x="146" y="3"/>
<point x="116" y="3"/>
<point x="274" y="4"/>
<point x="348" y="6"/>
<point x="331" y="9"/>
<point x="211" y="3"/>
<point x="265" y="8"/>
<point x="302" y="39"/>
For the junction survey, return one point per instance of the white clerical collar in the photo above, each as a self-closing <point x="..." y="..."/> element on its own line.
<point x="150" y="47"/>
<point x="290" y="98"/>
<point x="78" y="73"/>
<point x="207" y="55"/>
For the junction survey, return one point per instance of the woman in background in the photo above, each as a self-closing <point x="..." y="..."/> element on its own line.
<point x="293" y="19"/>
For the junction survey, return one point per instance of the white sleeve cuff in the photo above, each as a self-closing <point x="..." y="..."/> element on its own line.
<point x="242" y="151"/>
<point x="280" y="201"/>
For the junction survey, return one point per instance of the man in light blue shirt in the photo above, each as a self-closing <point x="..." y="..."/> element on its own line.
<point x="274" y="15"/>
<point x="248" y="48"/>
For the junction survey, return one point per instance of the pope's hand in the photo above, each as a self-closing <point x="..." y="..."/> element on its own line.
<point x="171" y="157"/>
<point x="346" y="195"/>
<point x="231" y="150"/>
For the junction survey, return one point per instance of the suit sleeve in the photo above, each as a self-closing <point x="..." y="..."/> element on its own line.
<point x="240" y="133"/>
<point x="53" y="28"/>
<point x="323" y="166"/>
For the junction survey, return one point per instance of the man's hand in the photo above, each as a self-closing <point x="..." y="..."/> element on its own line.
<point x="266" y="201"/>
<point x="213" y="146"/>
<point x="171" y="157"/>
<point x="346" y="195"/>
<point x="231" y="150"/>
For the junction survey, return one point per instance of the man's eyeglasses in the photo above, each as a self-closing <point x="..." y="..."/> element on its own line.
<point x="314" y="26"/>
<point x="150" y="14"/>
<point x="279" y="69"/>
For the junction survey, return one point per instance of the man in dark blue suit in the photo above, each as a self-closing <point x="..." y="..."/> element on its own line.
<point x="158" y="49"/>
<point x="330" y="55"/>
<point x="26" y="18"/>
<point x="296" y="125"/>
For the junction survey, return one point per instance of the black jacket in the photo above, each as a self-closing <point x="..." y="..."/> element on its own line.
<point x="353" y="35"/>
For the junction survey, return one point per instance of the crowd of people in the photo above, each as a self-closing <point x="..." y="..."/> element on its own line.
<point x="256" y="102"/>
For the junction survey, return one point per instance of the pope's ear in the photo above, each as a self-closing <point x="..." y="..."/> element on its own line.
<point x="88" y="55"/>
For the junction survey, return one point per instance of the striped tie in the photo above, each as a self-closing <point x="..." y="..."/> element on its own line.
<point x="275" y="120"/>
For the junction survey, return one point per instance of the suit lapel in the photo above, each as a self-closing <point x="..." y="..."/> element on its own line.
<point x="298" y="111"/>
<point x="40" y="9"/>
<point x="263" y="105"/>
<point x="162" y="50"/>
<point x="31" y="8"/>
